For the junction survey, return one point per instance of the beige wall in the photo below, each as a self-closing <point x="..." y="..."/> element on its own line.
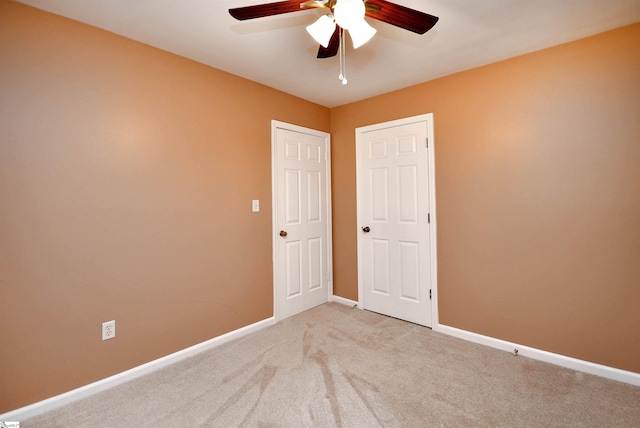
<point x="538" y="196"/>
<point x="126" y="180"/>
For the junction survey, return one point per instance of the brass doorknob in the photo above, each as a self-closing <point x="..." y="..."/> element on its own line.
<point x="283" y="233"/>
<point x="366" y="229"/>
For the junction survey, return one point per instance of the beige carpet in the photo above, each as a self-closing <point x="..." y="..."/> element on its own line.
<point x="337" y="366"/>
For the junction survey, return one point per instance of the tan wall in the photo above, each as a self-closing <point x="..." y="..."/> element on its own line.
<point x="126" y="175"/>
<point x="538" y="196"/>
<point x="126" y="180"/>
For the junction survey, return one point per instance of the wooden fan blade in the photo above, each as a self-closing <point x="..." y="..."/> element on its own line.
<point x="332" y="47"/>
<point x="401" y="16"/>
<point x="266" y="9"/>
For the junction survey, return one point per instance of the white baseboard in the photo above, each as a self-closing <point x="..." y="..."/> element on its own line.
<point x="549" y="357"/>
<point x="126" y="376"/>
<point x="343" y="301"/>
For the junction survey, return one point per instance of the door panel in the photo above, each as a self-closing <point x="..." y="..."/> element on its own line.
<point x="410" y="271"/>
<point x="301" y="270"/>
<point x="380" y="271"/>
<point x="315" y="263"/>
<point x="379" y="194"/>
<point x="293" y="271"/>
<point x="292" y="197"/>
<point x="393" y="202"/>
<point x="315" y="196"/>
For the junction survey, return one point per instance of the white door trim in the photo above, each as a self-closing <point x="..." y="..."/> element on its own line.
<point x="275" y="124"/>
<point x="428" y="118"/>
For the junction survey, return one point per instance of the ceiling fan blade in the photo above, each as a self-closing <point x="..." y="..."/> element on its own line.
<point x="332" y="47"/>
<point x="266" y="9"/>
<point x="401" y="16"/>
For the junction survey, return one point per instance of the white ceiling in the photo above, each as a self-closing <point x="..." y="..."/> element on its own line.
<point x="277" y="51"/>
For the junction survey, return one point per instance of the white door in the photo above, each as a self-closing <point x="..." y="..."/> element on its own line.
<point x="301" y="232"/>
<point x="395" y="219"/>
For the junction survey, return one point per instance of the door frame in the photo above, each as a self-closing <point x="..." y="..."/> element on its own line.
<point x="275" y="125"/>
<point x="431" y="165"/>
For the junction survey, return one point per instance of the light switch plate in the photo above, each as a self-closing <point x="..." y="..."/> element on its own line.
<point x="255" y="205"/>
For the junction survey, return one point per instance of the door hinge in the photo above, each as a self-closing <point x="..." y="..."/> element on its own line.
<point x="429" y="218"/>
<point x="427" y="142"/>
<point x="429" y="294"/>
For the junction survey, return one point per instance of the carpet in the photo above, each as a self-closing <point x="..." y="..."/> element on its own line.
<point x="336" y="366"/>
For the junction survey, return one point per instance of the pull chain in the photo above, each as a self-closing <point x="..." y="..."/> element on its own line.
<point x="343" y="73"/>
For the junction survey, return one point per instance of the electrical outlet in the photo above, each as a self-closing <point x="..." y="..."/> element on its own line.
<point x="108" y="330"/>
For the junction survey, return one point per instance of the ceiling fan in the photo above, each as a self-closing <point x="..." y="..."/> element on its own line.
<point x="348" y="15"/>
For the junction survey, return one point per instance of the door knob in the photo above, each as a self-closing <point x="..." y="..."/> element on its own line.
<point x="283" y="233"/>
<point x="366" y="229"/>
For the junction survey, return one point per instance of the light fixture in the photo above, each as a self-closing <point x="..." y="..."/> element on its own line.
<point x="322" y="29"/>
<point x="348" y="15"/>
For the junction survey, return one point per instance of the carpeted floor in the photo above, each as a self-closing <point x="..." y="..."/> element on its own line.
<point x="338" y="366"/>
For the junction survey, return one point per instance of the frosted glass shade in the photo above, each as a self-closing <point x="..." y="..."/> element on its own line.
<point x="361" y="32"/>
<point x="322" y="30"/>
<point x="349" y="12"/>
